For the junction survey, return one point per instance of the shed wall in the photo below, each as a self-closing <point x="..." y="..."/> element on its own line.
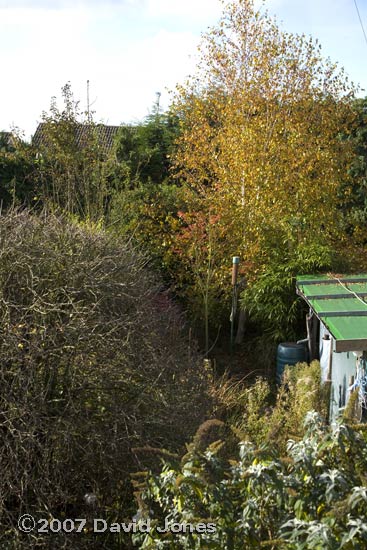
<point x="343" y="367"/>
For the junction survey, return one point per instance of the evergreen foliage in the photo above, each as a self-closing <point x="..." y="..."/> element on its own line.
<point x="302" y="492"/>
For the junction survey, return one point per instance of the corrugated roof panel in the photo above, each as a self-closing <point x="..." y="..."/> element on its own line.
<point x="333" y="289"/>
<point x="360" y="277"/>
<point x="341" y="304"/>
<point x="346" y="305"/>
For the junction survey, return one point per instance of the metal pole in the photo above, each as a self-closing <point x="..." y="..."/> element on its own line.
<point x="235" y="263"/>
<point x="329" y="381"/>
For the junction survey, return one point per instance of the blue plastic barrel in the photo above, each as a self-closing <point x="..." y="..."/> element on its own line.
<point x="289" y="353"/>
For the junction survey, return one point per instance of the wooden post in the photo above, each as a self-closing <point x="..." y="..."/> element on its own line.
<point x="235" y="263"/>
<point x="311" y="326"/>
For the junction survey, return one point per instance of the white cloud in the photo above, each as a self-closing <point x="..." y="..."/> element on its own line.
<point x="196" y="10"/>
<point x="44" y="49"/>
<point x="125" y="85"/>
<point x="131" y="49"/>
<point x="40" y="51"/>
<point x="61" y="4"/>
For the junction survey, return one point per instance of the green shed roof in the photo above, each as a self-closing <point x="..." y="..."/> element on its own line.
<point x="340" y="302"/>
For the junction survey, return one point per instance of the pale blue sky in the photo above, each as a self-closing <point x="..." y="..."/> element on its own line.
<point x="131" y="49"/>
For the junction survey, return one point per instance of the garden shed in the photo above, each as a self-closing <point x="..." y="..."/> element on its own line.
<point x="337" y="334"/>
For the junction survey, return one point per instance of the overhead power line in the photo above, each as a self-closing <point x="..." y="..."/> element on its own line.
<point x="360" y="20"/>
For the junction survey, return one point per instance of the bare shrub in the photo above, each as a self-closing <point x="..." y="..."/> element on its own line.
<point x="90" y="368"/>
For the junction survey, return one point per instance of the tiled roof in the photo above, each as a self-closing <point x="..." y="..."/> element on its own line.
<point x="105" y="135"/>
<point x="7" y="139"/>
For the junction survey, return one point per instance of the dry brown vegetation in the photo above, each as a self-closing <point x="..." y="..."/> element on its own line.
<point x="92" y="366"/>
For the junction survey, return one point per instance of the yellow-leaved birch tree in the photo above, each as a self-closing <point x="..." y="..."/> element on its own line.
<point x="260" y="145"/>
